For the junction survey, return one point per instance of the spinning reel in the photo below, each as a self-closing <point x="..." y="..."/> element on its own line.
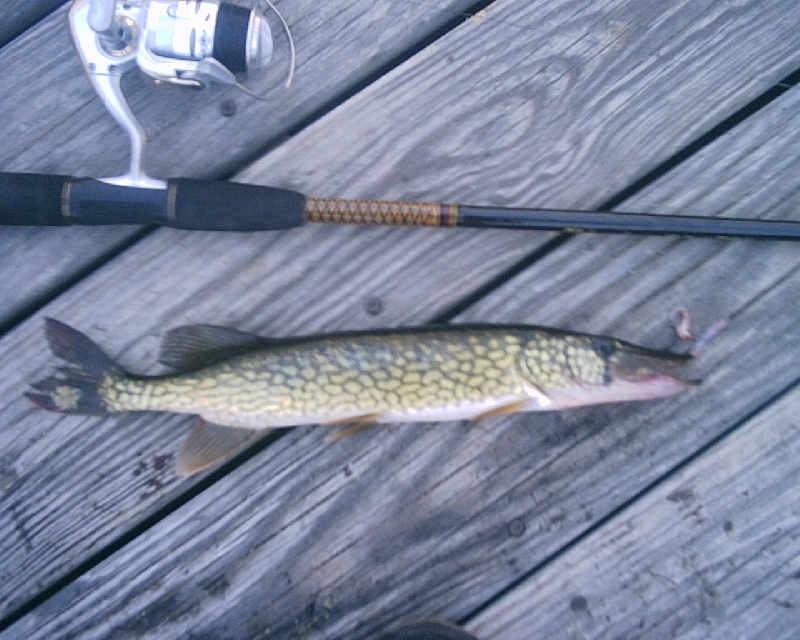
<point x="189" y="43"/>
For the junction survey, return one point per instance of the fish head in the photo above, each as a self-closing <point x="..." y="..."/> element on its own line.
<point x="644" y="374"/>
<point x="578" y="370"/>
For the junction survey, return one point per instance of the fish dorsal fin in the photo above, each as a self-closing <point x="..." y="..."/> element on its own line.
<point x="197" y="345"/>
<point x="209" y="444"/>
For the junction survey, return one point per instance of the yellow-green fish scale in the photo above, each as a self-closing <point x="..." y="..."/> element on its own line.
<point x="437" y="374"/>
<point x="559" y="361"/>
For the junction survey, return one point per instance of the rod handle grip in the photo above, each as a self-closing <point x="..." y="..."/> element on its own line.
<point x="206" y="205"/>
<point x="214" y="205"/>
<point x="31" y="199"/>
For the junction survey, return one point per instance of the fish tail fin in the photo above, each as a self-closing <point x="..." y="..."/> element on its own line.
<point x="77" y="387"/>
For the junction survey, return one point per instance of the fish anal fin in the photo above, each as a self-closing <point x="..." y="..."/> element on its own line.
<point x="507" y="408"/>
<point x="356" y="424"/>
<point x="197" y="345"/>
<point x="210" y="444"/>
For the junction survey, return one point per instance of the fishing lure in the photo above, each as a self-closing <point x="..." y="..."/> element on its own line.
<point x="247" y="382"/>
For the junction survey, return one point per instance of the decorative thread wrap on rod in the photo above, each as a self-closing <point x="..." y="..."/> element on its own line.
<point x="380" y="212"/>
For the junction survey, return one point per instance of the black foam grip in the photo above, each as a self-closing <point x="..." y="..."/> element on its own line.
<point x="231" y="206"/>
<point x="31" y="199"/>
<point x="35" y="199"/>
<point x="206" y="205"/>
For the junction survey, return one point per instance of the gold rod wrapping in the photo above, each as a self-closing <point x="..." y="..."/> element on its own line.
<point x="380" y="212"/>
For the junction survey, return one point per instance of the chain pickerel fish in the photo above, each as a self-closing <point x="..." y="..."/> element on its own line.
<point x="247" y="382"/>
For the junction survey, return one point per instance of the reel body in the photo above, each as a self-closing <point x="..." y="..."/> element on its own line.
<point x="189" y="43"/>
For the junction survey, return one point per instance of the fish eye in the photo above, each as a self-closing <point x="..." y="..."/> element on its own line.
<point x="604" y="347"/>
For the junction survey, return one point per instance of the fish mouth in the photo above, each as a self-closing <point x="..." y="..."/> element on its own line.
<point x="632" y="373"/>
<point x="650" y="371"/>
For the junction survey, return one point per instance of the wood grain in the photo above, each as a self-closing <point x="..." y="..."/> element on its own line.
<point x="710" y="552"/>
<point x="19" y="15"/>
<point x="54" y="123"/>
<point x="344" y="539"/>
<point x="533" y="104"/>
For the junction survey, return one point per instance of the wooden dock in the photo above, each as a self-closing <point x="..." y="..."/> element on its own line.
<point x="677" y="518"/>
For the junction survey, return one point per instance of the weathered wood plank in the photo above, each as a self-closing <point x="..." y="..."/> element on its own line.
<point x="711" y="552"/>
<point x="54" y="123"/>
<point x="556" y="90"/>
<point x="19" y="15"/>
<point x="342" y="541"/>
<point x="297" y="525"/>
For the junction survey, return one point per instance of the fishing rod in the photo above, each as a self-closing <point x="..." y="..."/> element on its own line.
<point x="208" y="205"/>
<point x="196" y="42"/>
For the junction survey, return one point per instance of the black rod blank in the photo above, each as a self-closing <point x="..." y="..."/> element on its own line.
<point x="638" y="223"/>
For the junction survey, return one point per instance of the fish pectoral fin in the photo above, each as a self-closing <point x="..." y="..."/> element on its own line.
<point x="196" y="345"/>
<point x="208" y="444"/>
<point x="507" y="408"/>
<point x="356" y="424"/>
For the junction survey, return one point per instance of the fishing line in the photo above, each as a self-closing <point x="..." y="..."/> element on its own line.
<point x="292" y="50"/>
